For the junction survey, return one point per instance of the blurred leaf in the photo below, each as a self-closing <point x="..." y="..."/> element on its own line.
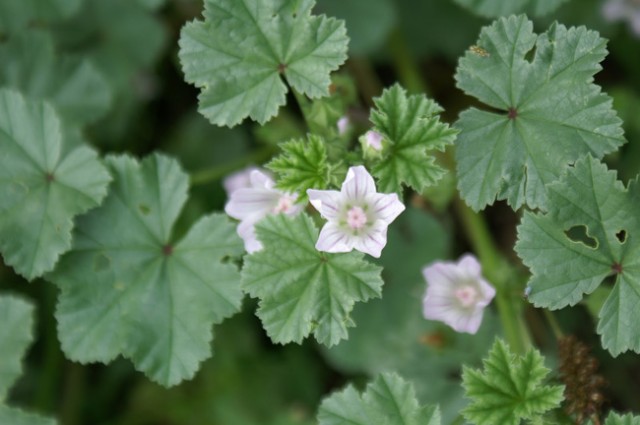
<point x="301" y="289"/>
<point x="15" y="15"/>
<point x="43" y="186"/>
<point x="565" y="266"/>
<point x="509" y="388"/>
<point x="364" y="37"/>
<point x="16" y="316"/>
<point x="496" y="8"/>
<point x="74" y="86"/>
<point x="283" y="39"/>
<point x="148" y="299"/>
<point x="412" y="126"/>
<point x="388" y="400"/>
<point x="616" y="419"/>
<point x="540" y="130"/>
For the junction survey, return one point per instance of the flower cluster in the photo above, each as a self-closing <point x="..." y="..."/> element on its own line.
<point x="457" y="293"/>
<point x="357" y="216"/>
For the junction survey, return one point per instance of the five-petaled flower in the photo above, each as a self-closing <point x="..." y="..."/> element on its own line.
<point x="357" y="216"/>
<point x="456" y="293"/>
<point x="253" y="203"/>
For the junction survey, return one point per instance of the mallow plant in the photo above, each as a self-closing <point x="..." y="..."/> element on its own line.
<point x="374" y="258"/>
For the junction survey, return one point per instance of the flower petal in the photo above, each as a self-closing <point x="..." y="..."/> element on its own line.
<point x="468" y="323"/>
<point x="250" y="201"/>
<point x="488" y="292"/>
<point x="469" y="265"/>
<point x="358" y="183"/>
<point x="327" y="202"/>
<point x="386" y="206"/>
<point x="247" y="231"/>
<point x="334" y="239"/>
<point x="373" y="241"/>
<point x="260" y="179"/>
<point x="238" y="180"/>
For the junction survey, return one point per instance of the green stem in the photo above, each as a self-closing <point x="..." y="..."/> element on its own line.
<point x="52" y="356"/>
<point x="553" y="324"/>
<point x="409" y="73"/>
<point x="500" y="273"/>
<point x="73" y="393"/>
<point x="216" y="173"/>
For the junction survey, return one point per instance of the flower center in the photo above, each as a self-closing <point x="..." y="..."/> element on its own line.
<point x="356" y="218"/>
<point x="467" y="295"/>
<point x="284" y="205"/>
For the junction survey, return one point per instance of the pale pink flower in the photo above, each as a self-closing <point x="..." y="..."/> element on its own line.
<point x="343" y="125"/>
<point x="373" y="140"/>
<point x="238" y="180"/>
<point x="357" y="216"/>
<point x="456" y="293"/>
<point x="619" y="10"/>
<point x="251" y="204"/>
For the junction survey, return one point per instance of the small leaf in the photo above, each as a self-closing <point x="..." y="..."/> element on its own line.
<point x="260" y="40"/>
<point x="616" y="419"/>
<point x="496" y="8"/>
<point x="127" y="288"/>
<point x="43" y="186"/>
<point x="389" y="400"/>
<point x="565" y="267"/>
<point x="509" y="389"/>
<point x="410" y="123"/>
<point x="302" y="290"/>
<point x="76" y="89"/>
<point x="302" y="165"/>
<point x="551" y="112"/>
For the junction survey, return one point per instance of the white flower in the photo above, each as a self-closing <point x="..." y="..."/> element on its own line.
<point x="343" y="125"/>
<point x="239" y="179"/>
<point x="618" y="10"/>
<point x="357" y="216"/>
<point x="372" y="140"/>
<point x="456" y="293"/>
<point x="251" y="204"/>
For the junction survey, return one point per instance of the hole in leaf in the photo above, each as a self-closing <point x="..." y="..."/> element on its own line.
<point x="622" y="236"/>
<point x="294" y="15"/>
<point x="580" y="234"/>
<point x="530" y="55"/>
<point x="144" y="209"/>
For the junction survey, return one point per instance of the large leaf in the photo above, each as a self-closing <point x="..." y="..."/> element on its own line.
<point x="43" y="185"/>
<point x="16" y="316"/>
<point x="591" y="231"/>
<point x="127" y="288"/>
<point x="75" y="87"/>
<point x="301" y="289"/>
<point x="412" y="127"/>
<point x="495" y="8"/>
<point x="509" y="389"/>
<point x="15" y="15"/>
<point x="552" y="113"/>
<point x="239" y="52"/>
<point x="389" y="400"/>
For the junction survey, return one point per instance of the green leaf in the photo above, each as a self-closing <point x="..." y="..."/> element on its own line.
<point x="13" y="416"/>
<point x="590" y="232"/>
<point x="302" y="290"/>
<point x="509" y="389"/>
<point x="552" y="113"/>
<point x="74" y="86"/>
<point x="302" y="165"/>
<point x="239" y="52"/>
<point x="16" y="316"/>
<point x="412" y="127"/>
<point x="389" y="400"/>
<point x="496" y="8"/>
<point x="127" y="288"/>
<point x="16" y="15"/>
<point x="43" y="185"/>
<point x="616" y="419"/>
